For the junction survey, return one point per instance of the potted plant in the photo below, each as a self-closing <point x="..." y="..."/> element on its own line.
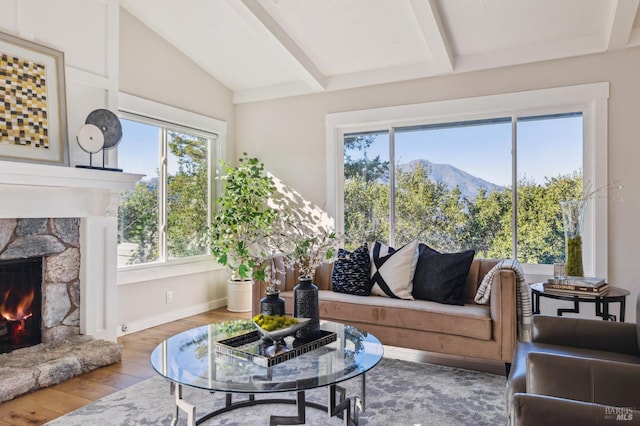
<point x="241" y="227"/>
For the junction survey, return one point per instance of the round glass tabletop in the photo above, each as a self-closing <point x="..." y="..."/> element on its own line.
<point x="194" y="358"/>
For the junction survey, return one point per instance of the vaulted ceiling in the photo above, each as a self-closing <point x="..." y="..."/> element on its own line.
<point x="263" y="49"/>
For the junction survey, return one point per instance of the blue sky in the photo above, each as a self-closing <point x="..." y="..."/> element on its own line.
<point x="138" y="150"/>
<point x="546" y="148"/>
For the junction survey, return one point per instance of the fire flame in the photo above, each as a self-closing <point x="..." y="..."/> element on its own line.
<point x="23" y="309"/>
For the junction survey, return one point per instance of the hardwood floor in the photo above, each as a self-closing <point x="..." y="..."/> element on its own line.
<point x="47" y="404"/>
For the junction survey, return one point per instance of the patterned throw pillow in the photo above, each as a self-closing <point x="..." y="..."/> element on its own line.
<point x="351" y="272"/>
<point x="392" y="270"/>
<point x="441" y="277"/>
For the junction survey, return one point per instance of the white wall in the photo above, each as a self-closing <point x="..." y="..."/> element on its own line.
<point x="289" y="134"/>
<point x="153" y="69"/>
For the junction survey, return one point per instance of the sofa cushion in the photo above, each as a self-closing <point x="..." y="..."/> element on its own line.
<point x="352" y="272"/>
<point x="468" y="321"/>
<point x="392" y="270"/>
<point x="441" y="277"/>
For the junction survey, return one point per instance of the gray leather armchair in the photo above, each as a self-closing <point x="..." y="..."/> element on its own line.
<point x="576" y="372"/>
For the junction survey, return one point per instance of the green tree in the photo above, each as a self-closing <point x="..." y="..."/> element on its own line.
<point x="366" y="214"/>
<point x="489" y="226"/>
<point x="138" y="222"/>
<point x="442" y="218"/>
<point x="370" y="169"/>
<point x="540" y="230"/>
<point x="187" y="196"/>
<point x="427" y="210"/>
<point x="187" y="205"/>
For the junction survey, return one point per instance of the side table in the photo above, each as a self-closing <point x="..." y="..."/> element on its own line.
<point x="601" y="302"/>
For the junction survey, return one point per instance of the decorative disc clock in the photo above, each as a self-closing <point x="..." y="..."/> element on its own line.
<point x="102" y="130"/>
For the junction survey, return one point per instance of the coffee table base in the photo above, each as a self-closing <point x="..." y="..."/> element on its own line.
<point x="338" y="406"/>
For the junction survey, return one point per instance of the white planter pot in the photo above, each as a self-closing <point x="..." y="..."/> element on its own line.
<point x="239" y="295"/>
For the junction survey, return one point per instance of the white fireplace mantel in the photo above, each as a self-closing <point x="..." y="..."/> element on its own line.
<point x="43" y="191"/>
<point x="70" y="177"/>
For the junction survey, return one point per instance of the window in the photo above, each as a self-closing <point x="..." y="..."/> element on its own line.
<point x="457" y="177"/>
<point x="165" y="218"/>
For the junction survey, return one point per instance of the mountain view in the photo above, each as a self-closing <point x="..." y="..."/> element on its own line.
<point x="452" y="177"/>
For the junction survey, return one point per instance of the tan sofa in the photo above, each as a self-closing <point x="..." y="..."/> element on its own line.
<point x="479" y="331"/>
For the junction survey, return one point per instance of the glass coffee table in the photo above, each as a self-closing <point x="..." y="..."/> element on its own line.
<point x="209" y="358"/>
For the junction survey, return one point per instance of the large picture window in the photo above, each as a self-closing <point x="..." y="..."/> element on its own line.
<point x="166" y="217"/>
<point x="472" y="179"/>
<point x="451" y="185"/>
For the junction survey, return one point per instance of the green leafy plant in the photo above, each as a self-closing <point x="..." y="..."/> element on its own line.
<point x="243" y="221"/>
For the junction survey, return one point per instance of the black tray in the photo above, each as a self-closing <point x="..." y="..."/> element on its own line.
<point x="251" y="347"/>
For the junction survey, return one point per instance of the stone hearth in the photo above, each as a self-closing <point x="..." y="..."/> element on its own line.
<point x="27" y="369"/>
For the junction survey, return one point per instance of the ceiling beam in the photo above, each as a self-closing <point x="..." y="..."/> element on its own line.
<point x="252" y="10"/>
<point x="620" y="25"/>
<point x="430" y="22"/>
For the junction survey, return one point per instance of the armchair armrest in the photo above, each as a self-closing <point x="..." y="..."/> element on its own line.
<point x="593" y="380"/>
<point x="533" y="410"/>
<point x="589" y="334"/>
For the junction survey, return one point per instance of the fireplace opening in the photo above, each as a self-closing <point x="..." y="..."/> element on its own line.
<point x="20" y="303"/>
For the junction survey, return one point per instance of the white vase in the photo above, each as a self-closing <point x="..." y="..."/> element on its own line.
<point x="239" y="295"/>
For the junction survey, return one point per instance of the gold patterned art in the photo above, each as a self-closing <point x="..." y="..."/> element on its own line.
<point x="32" y="102"/>
<point x="24" y="107"/>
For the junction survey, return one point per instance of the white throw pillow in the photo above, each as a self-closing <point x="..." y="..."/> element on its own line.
<point x="392" y="270"/>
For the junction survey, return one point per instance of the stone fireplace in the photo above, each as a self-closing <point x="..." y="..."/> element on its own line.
<point x="88" y="198"/>
<point x="49" y="308"/>
<point x="67" y="217"/>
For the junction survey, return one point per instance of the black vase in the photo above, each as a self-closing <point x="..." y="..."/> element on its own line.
<point x="272" y="304"/>
<point x="305" y="305"/>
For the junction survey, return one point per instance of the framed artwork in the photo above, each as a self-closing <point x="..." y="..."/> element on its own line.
<point x="33" y="109"/>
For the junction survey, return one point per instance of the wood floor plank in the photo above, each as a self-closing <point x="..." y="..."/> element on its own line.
<point x="57" y="401"/>
<point x="111" y="378"/>
<point x="23" y="412"/>
<point x="80" y="386"/>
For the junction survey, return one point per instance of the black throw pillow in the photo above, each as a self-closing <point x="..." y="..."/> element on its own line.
<point x="351" y="272"/>
<point x="441" y="277"/>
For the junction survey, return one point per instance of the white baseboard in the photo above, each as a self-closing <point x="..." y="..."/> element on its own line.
<point x="166" y="317"/>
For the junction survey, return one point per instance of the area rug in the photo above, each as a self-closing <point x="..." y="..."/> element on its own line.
<point x="398" y="393"/>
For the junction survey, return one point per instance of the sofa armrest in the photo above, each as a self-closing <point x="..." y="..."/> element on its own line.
<point x="533" y="410"/>
<point x="584" y="379"/>
<point x="589" y="334"/>
<point x="502" y="302"/>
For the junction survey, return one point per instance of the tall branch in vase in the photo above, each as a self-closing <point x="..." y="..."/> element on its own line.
<point x="302" y="232"/>
<point x="572" y="219"/>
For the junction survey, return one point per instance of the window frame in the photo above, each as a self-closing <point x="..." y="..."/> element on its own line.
<point x="590" y="99"/>
<point x="150" y="112"/>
